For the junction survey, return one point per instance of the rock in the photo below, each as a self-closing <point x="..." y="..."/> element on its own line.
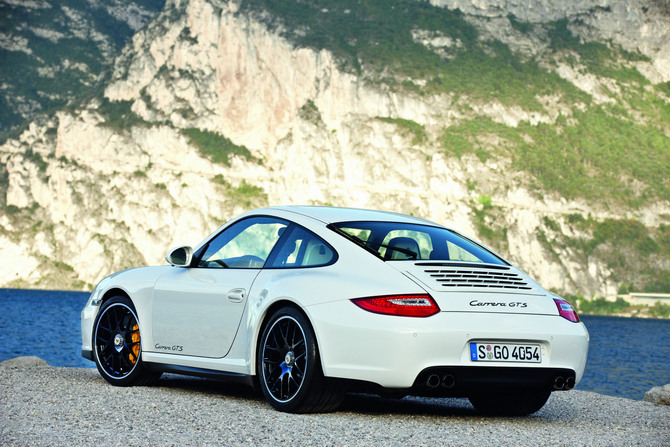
<point x="24" y="361"/>
<point x="659" y="395"/>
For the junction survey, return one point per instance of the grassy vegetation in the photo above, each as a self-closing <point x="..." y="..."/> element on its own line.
<point x="12" y="209"/>
<point x="625" y="232"/>
<point x="523" y="27"/>
<point x="601" y="60"/>
<point x="310" y="112"/>
<point x="633" y="253"/>
<point x="660" y="310"/>
<point x="216" y="147"/>
<point x="244" y="194"/>
<point x="36" y="158"/>
<point x="659" y="282"/>
<point x="596" y="158"/>
<point x="408" y="127"/>
<point x="467" y="137"/>
<point x="118" y="115"/>
<point x="601" y="306"/>
<point x="485" y="214"/>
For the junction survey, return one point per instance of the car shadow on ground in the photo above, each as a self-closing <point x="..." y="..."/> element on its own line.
<point x="358" y="403"/>
<point x="373" y="404"/>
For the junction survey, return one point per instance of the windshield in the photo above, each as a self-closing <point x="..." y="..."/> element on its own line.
<point x="402" y="241"/>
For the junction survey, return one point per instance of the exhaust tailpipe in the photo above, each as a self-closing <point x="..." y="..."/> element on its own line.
<point x="448" y="381"/>
<point x="569" y="383"/>
<point x="433" y="381"/>
<point x="559" y="383"/>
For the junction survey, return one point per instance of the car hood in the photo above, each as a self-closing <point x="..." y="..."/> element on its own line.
<point x="470" y="287"/>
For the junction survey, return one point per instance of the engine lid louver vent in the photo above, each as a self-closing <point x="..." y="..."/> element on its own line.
<point x="492" y="278"/>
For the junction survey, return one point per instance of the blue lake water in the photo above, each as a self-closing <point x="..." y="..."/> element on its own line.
<point x="627" y="356"/>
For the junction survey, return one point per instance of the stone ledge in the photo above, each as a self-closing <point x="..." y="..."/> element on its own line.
<point x="659" y="395"/>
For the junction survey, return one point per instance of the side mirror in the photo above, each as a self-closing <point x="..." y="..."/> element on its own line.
<point x="179" y="256"/>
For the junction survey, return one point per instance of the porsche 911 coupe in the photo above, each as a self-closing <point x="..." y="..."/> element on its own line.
<point x="308" y="303"/>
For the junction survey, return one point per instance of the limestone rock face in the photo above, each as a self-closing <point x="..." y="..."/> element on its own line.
<point x="635" y="24"/>
<point x="53" y="49"/>
<point x="84" y="198"/>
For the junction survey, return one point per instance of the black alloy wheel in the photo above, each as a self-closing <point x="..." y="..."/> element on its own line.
<point x="284" y="359"/>
<point x="117" y="344"/>
<point x="289" y="367"/>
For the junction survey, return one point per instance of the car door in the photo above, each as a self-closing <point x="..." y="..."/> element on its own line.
<point x="197" y="310"/>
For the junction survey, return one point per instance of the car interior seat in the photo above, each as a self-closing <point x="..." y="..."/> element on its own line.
<point x="406" y="243"/>
<point x="317" y="254"/>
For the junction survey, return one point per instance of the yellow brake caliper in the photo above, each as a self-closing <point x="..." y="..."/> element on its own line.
<point x="135" y="338"/>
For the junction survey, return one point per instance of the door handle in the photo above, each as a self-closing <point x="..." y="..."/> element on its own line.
<point x="236" y="295"/>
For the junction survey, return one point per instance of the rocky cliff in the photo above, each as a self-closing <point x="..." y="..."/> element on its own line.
<point x="217" y="107"/>
<point x="51" y="50"/>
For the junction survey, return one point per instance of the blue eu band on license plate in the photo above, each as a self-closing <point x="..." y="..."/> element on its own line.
<point x="505" y="352"/>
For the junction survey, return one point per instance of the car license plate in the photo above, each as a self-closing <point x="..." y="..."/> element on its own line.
<point x="505" y="352"/>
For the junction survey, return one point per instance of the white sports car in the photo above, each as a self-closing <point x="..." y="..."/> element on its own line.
<point x="307" y="303"/>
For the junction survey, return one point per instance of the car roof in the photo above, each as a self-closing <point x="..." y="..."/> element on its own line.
<point x="330" y="214"/>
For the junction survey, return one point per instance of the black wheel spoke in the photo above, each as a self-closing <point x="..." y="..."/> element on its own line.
<point x="106" y="358"/>
<point x="292" y="344"/>
<point x="283" y="335"/>
<point x="276" y="342"/>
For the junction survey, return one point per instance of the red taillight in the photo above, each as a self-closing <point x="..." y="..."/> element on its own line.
<point x="401" y="305"/>
<point x="566" y="310"/>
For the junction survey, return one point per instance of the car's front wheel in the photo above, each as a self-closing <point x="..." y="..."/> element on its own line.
<point x="117" y="344"/>
<point x="510" y="404"/>
<point x="289" y="368"/>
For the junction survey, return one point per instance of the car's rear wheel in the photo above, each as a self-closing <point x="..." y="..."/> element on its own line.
<point x="289" y="367"/>
<point x="117" y="344"/>
<point x="510" y="404"/>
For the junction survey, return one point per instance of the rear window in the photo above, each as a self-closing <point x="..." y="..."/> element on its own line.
<point x="393" y="241"/>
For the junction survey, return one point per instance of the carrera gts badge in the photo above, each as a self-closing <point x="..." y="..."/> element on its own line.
<point x="477" y="303"/>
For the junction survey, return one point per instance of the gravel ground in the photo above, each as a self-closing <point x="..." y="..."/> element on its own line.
<point x="43" y="405"/>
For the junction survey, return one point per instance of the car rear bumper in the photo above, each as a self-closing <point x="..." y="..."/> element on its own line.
<point x="400" y="352"/>
<point x="461" y="381"/>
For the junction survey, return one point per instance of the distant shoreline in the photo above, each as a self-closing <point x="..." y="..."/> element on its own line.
<point x="643" y="316"/>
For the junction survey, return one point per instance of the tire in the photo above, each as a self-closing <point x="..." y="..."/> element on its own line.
<point x="510" y="404"/>
<point x="117" y="346"/>
<point x="289" y="367"/>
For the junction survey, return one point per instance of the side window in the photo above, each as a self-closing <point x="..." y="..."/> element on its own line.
<point x="302" y="248"/>
<point x="246" y="244"/>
